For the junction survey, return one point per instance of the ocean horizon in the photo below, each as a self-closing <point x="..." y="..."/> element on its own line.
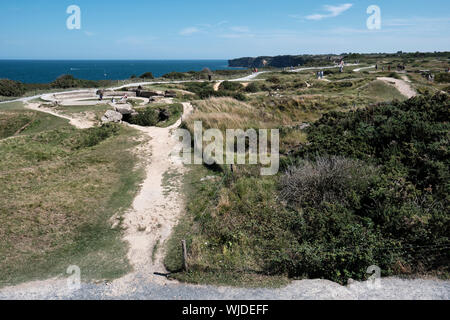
<point x="45" y="71"/>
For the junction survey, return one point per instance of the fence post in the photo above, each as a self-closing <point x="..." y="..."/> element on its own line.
<point x="183" y="245"/>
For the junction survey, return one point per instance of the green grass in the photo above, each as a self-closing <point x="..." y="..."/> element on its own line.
<point x="202" y="196"/>
<point x="96" y="110"/>
<point x="27" y="122"/>
<point x="379" y="91"/>
<point x="11" y="106"/>
<point x="60" y="188"/>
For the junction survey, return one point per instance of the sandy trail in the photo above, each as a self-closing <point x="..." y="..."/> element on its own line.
<point x="364" y="68"/>
<point x="156" y="209"/>
<point x="217" y="85"/>
<point x="401" y="85"/>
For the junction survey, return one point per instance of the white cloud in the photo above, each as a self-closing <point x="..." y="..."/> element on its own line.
<point x="332" y="11"/>
<point x="189" y="31"/>
<point x="236" y="35"/>
<point x="240" y="29"/>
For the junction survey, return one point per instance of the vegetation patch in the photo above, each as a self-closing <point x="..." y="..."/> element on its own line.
<point x="60" y="189"/>
<point x="370" y="187"/>
<point x="161" y="116"/>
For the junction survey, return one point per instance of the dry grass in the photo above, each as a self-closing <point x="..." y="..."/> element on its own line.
<point x="228" y="113"/>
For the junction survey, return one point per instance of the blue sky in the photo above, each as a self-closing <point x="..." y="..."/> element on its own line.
<point x="198" y="29"/>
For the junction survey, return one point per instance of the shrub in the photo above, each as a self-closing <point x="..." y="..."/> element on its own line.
<point x="273" y="79"/>
<point x="252" y="87"/>
<point x="174" y="75"/>
<point x="230" y="86"/>
<point x="64" y="82"/>
<point x="442" y="77"/>
<point x="325" y="180"/>
<point x="239" y="96"/>
<point x="146" y="118"/>
<point x="10" y="88"/>
<point x="147" y="75"/>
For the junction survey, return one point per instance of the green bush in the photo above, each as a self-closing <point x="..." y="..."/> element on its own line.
<point x="68" y="81"/>
<point x="64" y="82"/>
<point x="252" y="87"/>
<point x="204" y="90"/>
<point x="230" y="86"/>
<point x="147" y="75"/>
<point x="10" y="88"/>
<point x="273" y="79"/>
<point x="175" y="75"/>
<point x="442" y="77"/>
<point x="147" y="118"/>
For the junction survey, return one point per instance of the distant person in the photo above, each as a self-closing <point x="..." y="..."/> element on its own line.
<point x="209" y="77"/>
<point x="389" y="68"/>
<point x="376" y="67"/>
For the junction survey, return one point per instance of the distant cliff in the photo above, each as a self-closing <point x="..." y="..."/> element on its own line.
<point x="276" y="62"/>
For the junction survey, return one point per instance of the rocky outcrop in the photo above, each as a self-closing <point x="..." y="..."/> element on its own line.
<point x="112" y="116"/>
<point x="124" y="109"/>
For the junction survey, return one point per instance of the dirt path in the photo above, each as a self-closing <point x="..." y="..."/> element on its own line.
<point x="80" y="123"/>
<point x="401" y="85"/>
<point x="217" y="85"/>
<point x="321" y="68"/>
<point x="156" y="208"/>
<point x="364" y="68"/>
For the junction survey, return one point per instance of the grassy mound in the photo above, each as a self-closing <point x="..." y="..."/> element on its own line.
<point x="60" y="189"/>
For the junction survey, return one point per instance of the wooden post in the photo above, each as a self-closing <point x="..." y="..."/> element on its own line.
<point x="183" y="245"/>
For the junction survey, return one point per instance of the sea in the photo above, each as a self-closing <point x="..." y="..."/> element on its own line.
<point x="45" y="71"/>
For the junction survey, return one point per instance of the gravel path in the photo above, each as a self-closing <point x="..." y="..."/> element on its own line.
<point x="144" y="288"/>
